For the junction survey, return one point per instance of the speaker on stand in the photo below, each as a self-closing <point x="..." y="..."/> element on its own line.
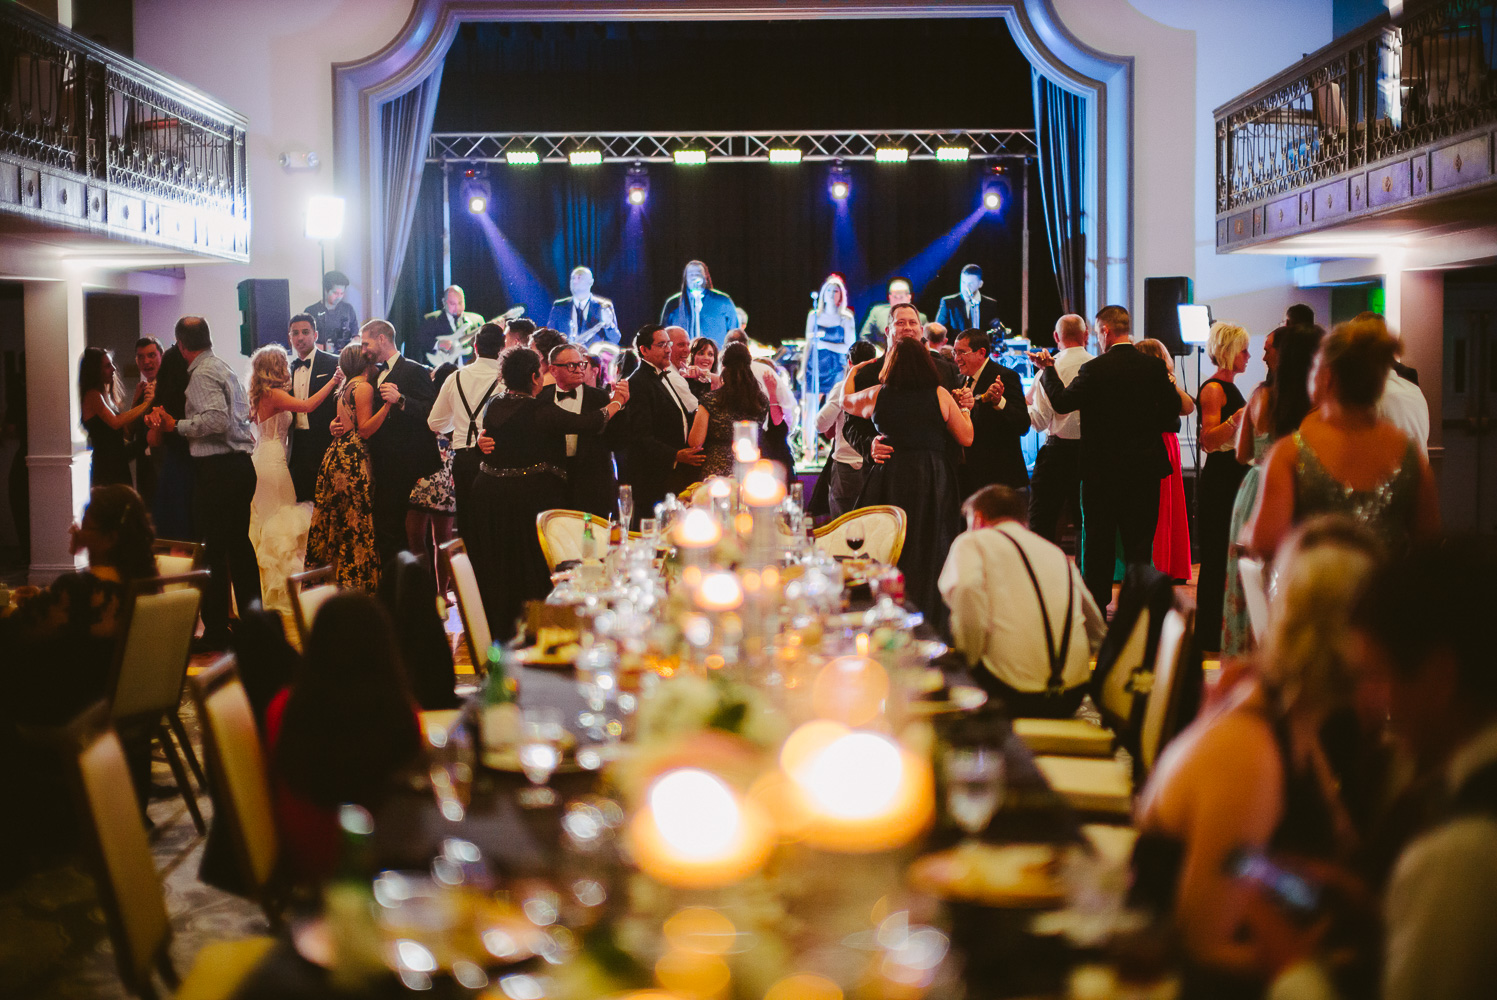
<point x="265" y="305"/>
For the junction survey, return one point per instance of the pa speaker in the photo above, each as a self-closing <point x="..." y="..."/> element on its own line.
<point x="265" y="307"/>
<point x="1161" y="318"/>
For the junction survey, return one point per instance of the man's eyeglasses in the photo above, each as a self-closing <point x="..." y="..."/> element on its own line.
<point x="571" y="366"/>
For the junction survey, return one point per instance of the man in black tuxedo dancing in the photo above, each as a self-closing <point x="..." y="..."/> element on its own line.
<point x="591" y="483"/>
<point x="660" y="461"/>
<point x="310" y="436"/>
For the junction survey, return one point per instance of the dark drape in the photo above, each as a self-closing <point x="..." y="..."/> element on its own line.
<point x="420" y="286"/>
<point x="1059" y="118"/>
<point x="406" y="123"/>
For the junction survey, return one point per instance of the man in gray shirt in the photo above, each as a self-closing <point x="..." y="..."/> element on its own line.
<point x="217" y="428"/>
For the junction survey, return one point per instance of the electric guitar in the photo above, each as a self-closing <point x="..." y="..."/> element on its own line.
<point x="461" y="341"/>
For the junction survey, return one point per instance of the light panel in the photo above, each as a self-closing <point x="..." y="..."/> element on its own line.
<point x="522" y="158"/>
<point x="791" y="155"/>
<point x="953" y="153"/>
<point x="324" y="217"/>
<point x="690" y="157"/>
<point x="891" y="154"/>
<point x="585" y="158"/>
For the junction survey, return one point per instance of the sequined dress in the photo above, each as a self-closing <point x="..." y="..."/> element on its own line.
<point x="1387" y="510"/>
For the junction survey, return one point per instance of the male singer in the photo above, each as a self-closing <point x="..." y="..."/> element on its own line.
<point x="699" y="308"/>
<point x="310" y="437"/>
<point x="584" y="317"/>
<point x="968" y="309"/>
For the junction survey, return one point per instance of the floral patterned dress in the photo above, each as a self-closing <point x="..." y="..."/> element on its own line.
<point x="434" y="492"/>
<point x="342" y="532"/>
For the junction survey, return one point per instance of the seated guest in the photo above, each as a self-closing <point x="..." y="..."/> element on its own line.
<point x="522" y="474"/>
<point x="998" y="575"/>
<point x="1252" y="772"/>
<point x="1422" y="633"/>
<point x="340" y="732"/>
<point x="739" y="398"/>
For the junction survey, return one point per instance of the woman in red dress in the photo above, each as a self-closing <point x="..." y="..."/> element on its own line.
<point x="1172" y="535"/>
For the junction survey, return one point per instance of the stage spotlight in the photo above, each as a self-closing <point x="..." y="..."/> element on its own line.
<point x="791" y="155"/>
<point x="690" y="157"/>
<point x="522" y="158"/>
<point x="637" y="184"/>
<point x="840" y="182"/>
<point x="994" y="190"/>
<point x="891" y="154"/>
<point x="478" y="204"/>
<point x="475" y="190"/>
<point x="952" y="154"/>
<point x="991" y="200"/>
<point x="585" y="157"/>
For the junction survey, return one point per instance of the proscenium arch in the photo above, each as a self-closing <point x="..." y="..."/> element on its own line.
<point x="1106" y="81"/>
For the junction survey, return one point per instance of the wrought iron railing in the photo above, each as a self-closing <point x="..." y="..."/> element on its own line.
<point x="71" y="105"/>
<point x="1392" y="86"/>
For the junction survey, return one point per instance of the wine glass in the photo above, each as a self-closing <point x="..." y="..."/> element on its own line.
<point x="974" y="787"/>
<point x="540" y="734"/>
<point x="626" y="505"/>
<point x="854" y="537"/>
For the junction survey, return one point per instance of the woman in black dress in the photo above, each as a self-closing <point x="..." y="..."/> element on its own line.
<point x="916" y="416"/>
<point x="1220" y="412"/>
<point x="99" y="394"/>
<point x="738" y="398"/>
<point x="522" y="474"/>
<point x="171" y="508"/>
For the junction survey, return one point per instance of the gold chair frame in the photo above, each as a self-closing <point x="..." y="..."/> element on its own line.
<point x="545" y="517"/>
<point x="883" y="508"/>
<point x="479" y="657"/>
<point x="306" y="580"/>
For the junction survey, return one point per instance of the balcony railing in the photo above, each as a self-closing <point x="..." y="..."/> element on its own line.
<point x="1392" y="87"/>
<point x="92" y="140"/>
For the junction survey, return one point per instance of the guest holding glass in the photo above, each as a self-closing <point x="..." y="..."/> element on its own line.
<point x="738" y="398"/>
<point x="100" y="398"/>
<point x="701" y="372"/>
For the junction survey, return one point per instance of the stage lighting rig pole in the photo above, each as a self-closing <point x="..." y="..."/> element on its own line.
<point x="446" y="225"/>
<point x="1024" y="257"/>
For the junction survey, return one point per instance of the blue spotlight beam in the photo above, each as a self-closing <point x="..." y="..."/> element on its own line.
<point x="922" y="268"/>
<point x="521" y="284"/>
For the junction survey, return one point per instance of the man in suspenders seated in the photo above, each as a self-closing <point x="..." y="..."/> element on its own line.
<point x="458" y="411"/>
<point x="1019" y="610"/>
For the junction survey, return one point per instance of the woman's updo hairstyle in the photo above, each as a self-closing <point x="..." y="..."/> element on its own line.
<point x="1359" y="354"/>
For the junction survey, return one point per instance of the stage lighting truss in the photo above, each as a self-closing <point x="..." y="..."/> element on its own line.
<point x="637" y="184"/>
<point x="588" y="148"/>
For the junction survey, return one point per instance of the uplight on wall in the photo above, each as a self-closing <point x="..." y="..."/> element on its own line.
<point x="324" y="217"/>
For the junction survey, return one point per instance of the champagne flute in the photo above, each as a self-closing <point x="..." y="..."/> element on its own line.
<point x="626" y="505"/>
<point x="974" y="787"/>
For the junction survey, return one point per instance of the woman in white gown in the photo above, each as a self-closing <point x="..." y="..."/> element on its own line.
<point x="278" y="524"/>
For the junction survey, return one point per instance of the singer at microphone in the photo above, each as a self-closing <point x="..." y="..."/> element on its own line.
<point x="830" y="331"/>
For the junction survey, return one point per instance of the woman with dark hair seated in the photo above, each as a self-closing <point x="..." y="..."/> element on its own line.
<point x="340" y="732"/>
<point x="522" y="474"/>
<point x="738" y="398"/>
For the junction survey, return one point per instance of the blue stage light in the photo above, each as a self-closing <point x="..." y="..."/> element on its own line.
<point x="994" y="189"/>
<point x="637" y="184"/>
<point x="840" y="183"/>
<point x="475" y="189"/>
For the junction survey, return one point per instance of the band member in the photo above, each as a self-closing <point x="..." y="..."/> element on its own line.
<point x="445" y="336"/>
<point x="335" y="320"/>
<point x="699" y="308"/>
<point x="583" y="316"/>
<point x="878" y="317"/>
<point x="829" y="334"/>
<point x="969" y="309"/>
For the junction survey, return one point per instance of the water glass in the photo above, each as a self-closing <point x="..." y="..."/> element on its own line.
<point x="540" y="753"/>
<point x="974" y="786"/>
<point x="450" y="759"/>
<point x="626" y="505"/>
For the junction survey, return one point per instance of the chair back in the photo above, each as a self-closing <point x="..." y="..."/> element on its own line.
<point x="236" y="761"/>
<point x="155" y="644"/>
<point x="1125" y="661"/>
<point x="1167" y="710"/>
<point x="883" y="533"/>
<point x="409" y="593"/>
<point x="1116" y="689"/>
<point x="175" y="558"/>
<point x="469" y="602"/>
<point x="560" y="533"/>
<point x="309" y="590"/>
<point x="128" y="886"/>
<point x="1254" y="594"/>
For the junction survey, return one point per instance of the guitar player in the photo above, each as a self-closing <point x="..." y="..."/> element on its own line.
<point x="447" y="334"/>
<point x="584" y="317"/>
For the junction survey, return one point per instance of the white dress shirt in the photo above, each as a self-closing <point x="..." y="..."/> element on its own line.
<point x="1042" y="416"/>
<point x="1403" y="405"/>
<point x="447" y="414"/>
<point x="301" y="382"/>
<point x="832" y="416"/>
<point x="572" y="404"/>
<point x="1441" y="905"/>
<point x="678" y="395"/>
<point x="683" y="389"/>
<point x="995" y="611"/>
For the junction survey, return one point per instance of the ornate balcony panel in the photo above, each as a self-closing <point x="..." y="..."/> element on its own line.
<point x="90" y="140"/>
<point x="1357" y="128"/>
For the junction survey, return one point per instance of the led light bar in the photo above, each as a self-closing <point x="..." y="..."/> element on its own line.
<point x="585" y="158"/>
<point x="791" y="155"/>
<point x="891" y="154"/>
<point x="953" y="153"/>
<point x="690" y="157"/>
<point x="522" y="158"/>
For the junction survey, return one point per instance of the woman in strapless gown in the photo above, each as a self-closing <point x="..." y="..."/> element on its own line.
<point x="278" y="524"/>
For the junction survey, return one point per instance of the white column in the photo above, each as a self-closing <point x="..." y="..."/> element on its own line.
<point x="58" y="459"/>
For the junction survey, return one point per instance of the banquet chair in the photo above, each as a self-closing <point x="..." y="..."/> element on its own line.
<point x="560" y="533"/>
<point x="883" y="533"/>
<point x="1254" y="594"/>
<point x="476" y="632"/>
<point x="231" y="743"/>
<point x="308" y="590"/>
<point x="174" y="558"/>
<point x="125" y="877"/>
<point x="150" y="666"/>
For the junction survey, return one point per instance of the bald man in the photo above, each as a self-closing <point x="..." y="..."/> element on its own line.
<point x="1056" y="484"/>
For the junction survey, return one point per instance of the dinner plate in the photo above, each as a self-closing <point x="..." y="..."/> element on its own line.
<point x="1019" y="876"/>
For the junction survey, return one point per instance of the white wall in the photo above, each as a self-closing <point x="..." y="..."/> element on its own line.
<point x="1190" y="57"/>
<point x="270" y="60"/>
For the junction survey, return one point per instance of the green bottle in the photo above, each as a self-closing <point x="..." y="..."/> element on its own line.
<point x="589" y="542"/>
<point x="499" y="687"/>
<point x="348" y="904"/>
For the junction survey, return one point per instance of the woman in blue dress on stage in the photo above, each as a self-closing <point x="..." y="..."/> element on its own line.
<point x="830" y="332"/>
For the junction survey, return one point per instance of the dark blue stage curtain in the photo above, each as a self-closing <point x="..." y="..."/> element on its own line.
<point x="1059" y="118"/>
<point x="419" y="289"/>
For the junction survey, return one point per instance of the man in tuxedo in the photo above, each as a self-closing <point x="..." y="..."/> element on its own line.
<point x="336" y="322"/>
<point x="591" y="483"/>
<point x="999" y="418"/>
<point x="1127" y="401"/>
<point x="658" y="421"/>
<point x="447" y="334"/>
<point x="403" y="449"/>
<point x="968" y="309"/>
<point x="584" y="317"/>
<point x="877" y="323"/>
<point x="700" y="309"/>
<point x="310" y="437"/>
<point x="147" y="459"/>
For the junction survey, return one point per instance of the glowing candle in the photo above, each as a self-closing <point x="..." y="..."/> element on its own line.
<point x="719" y="592"/>
<point x="854" y="790"/>
<point x="696" y="830"/>
<point x="697" y="530"/>
<point x="761" y="487"/>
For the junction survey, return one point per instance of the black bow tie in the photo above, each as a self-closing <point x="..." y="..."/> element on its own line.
<point x="381" y="366"/>
<point x="569" y="394"/>
<point x="300" y="363"/>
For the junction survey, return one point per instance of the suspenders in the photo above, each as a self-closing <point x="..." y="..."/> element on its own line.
<point x="473" y="412"/>
<point x="1057" y="657"/>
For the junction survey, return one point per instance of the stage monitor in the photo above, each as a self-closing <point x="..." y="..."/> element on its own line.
<point x="1195" y="323"/>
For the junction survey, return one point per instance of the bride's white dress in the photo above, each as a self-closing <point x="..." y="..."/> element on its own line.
<point x="278" y="524"/>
